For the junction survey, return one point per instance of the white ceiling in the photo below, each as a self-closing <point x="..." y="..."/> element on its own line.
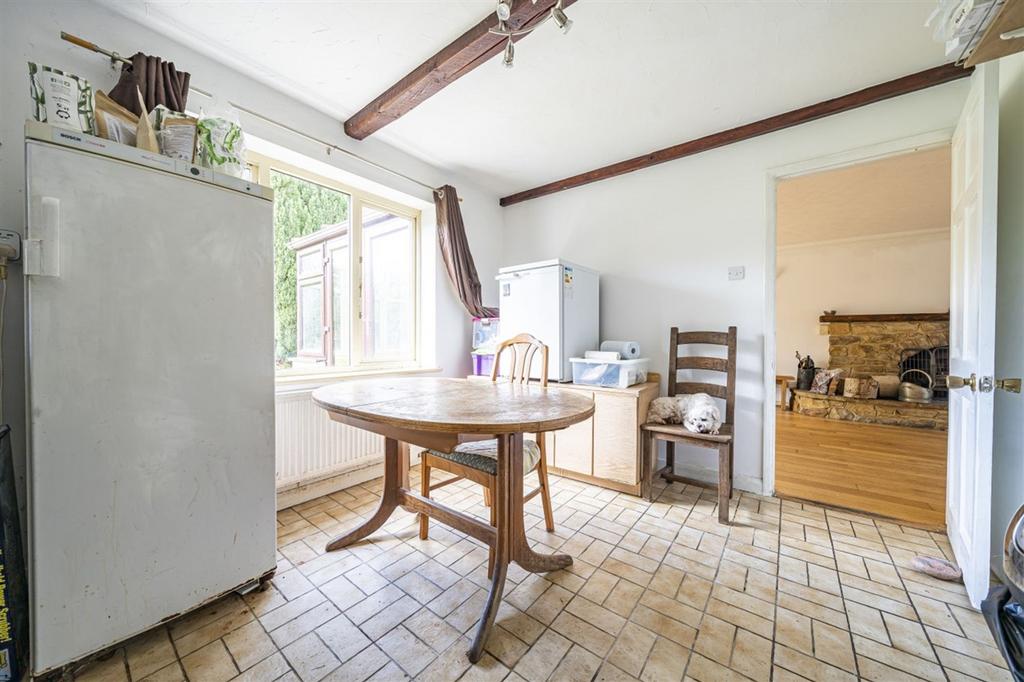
<point x="632" y="76"/>
<point x="905" y="193"/>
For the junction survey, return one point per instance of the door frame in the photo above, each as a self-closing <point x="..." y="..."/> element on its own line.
<point x="850" y="157"/>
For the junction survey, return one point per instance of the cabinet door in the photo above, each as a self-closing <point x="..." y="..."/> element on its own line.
<point x="574" y="446"/>
<point x="615" y="437"/>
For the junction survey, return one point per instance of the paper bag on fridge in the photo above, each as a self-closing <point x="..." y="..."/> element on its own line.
<point x="145" y="138"/>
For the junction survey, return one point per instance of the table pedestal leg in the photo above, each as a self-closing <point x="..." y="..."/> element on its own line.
<point x="520" y="550"/>
<point x="511" y="544"/>
<point x="510" y="468"/>
<point x="388" y="500"/>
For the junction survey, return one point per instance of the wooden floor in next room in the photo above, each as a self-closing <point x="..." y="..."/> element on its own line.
<point x="892" y="471"/>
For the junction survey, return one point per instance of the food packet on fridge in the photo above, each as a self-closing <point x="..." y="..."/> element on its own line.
<point x="175" y="132"/>
<point x="221" y="144"/>
<point x="113" y="121"/>
<point x="159" y="113"/>
<point x="177" y="137"/>
<point x="61" y="99"/>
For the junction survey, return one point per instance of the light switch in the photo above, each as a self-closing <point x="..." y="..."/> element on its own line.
<point x="737" y="272"/>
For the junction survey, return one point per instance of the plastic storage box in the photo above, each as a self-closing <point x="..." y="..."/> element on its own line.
<point x="482" y="364"/>
<point x="485" y="332"/>
<point x="609" y="373"/>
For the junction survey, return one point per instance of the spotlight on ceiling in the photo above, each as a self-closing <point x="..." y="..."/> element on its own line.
<point x="561" y="20"/>
<point x="504" y="10"/>
<point x="510" y="53"/>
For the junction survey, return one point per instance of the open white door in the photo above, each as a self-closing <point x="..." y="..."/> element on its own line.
<point x="972" y="329"/>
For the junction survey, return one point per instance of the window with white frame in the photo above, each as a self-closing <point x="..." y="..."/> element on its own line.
<point x="345" y="295"/>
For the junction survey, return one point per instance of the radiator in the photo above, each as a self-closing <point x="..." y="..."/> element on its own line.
<point x="311" y="447"/>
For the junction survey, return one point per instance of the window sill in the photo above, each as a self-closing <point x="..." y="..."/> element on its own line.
<point x="292" y="383"/>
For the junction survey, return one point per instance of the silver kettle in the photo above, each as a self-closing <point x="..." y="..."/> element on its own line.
<point x="912" y="393"/>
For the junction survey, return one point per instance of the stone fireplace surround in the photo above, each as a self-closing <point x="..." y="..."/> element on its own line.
<point x="867" y="345"/>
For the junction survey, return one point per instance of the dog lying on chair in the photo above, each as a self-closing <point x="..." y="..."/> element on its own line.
<point x="697" y="412"/>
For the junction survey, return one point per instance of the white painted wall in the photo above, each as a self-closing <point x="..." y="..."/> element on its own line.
<point x="1008" y="440"/>
<point x="896" y="273"/>
<point x="664" y="237"/>
<point x="30" y="31"/>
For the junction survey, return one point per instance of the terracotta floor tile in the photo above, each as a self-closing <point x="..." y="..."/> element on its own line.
<point x="249" y="644"/>
<point x="149" y="653"/>
<point x="212" y="663"/>
<point x="789" y="591"/>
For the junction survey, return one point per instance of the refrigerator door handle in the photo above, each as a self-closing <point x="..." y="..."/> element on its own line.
<point x="42" y="248"/>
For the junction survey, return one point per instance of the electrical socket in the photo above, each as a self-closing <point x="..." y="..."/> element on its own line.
<point x="11" y="239"/>
<point x="737" y="272"/>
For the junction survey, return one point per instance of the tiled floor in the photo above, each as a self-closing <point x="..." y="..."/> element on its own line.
<point x="789" y="591"/>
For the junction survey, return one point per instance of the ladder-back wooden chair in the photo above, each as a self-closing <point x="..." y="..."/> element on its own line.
<point x="478" y="460"/>
<point x="677" y="433"/>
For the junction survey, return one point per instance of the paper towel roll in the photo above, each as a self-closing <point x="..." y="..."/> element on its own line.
<point x="603" y="355"/>
<point x="627" y="349"/>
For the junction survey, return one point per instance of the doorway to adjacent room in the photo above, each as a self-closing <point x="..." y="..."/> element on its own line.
<point x="862" y="289"/>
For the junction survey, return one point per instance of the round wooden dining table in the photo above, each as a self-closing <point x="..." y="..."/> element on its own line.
<point x="439" y="414"/>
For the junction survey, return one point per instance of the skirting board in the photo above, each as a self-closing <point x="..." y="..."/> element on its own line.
<point x="310" y="490"/>
<point x="304" y="492"/>
<point x="750" y="484"/>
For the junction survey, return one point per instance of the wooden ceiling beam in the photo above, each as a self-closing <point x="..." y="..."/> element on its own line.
<point x="853" y="100"/>
<point x="467" y="52"/>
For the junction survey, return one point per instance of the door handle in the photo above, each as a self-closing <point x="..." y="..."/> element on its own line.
<point x="1009" y="385"/>
<point x="971" y="382"/>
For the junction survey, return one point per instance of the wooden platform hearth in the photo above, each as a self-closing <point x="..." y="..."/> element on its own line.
<point x="887" y="412"/>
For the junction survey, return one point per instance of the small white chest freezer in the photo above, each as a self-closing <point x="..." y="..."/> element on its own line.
<point x="556" y="301"/>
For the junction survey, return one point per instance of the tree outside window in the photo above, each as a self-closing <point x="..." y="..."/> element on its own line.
<point x="345" y="274"/>
<point x="301" y="208"/>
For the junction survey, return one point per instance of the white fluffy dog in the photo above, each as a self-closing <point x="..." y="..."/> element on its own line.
<point x="697" y="412"/>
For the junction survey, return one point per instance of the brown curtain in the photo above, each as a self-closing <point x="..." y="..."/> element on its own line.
<point x="159" y="82"/>
<point x="451" y="236"/>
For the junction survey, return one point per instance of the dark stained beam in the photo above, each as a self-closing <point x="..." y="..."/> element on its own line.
<point x="853" y="100"/>
<point x="896" y="317"/>
<point x="467" y="52"/>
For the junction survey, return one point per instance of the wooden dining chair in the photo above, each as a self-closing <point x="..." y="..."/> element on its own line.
<point x="677" y="433"/>
<point x="477" y="461"/>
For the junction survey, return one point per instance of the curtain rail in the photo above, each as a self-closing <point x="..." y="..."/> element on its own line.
<point x="115" y="58"/>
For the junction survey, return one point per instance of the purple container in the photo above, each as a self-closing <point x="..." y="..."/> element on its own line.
<point x="483" y="363"/>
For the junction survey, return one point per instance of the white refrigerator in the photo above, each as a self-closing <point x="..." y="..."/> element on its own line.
<point x="556" y="301"/>
<point x="150" y="390"/>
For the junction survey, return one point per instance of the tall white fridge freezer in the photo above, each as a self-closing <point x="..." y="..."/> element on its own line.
<point x="150" y="390"/>
<point x="556" y="301"/>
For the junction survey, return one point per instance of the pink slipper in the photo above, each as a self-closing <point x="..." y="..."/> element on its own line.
<point x="937" y="568"/>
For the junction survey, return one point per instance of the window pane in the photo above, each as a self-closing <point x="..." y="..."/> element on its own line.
<point x="312" y="318"/>
<point x="310" y="263"/>
<point x="300" y="209"/>
<point x="388" y="296"/>
<point x="341" y="303"/>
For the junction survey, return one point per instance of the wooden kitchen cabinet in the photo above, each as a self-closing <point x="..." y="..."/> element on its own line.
<point x="572" y="449"/>
<point x="604" y="450"/>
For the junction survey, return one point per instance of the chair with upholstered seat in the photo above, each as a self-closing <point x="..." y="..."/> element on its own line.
<point x="677" y="433"/>
<point x="477" y="461"/>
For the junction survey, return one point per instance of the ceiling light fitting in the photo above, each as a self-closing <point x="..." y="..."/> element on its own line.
<point x="510" y="53"/>
<point x="504" y="13"/>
